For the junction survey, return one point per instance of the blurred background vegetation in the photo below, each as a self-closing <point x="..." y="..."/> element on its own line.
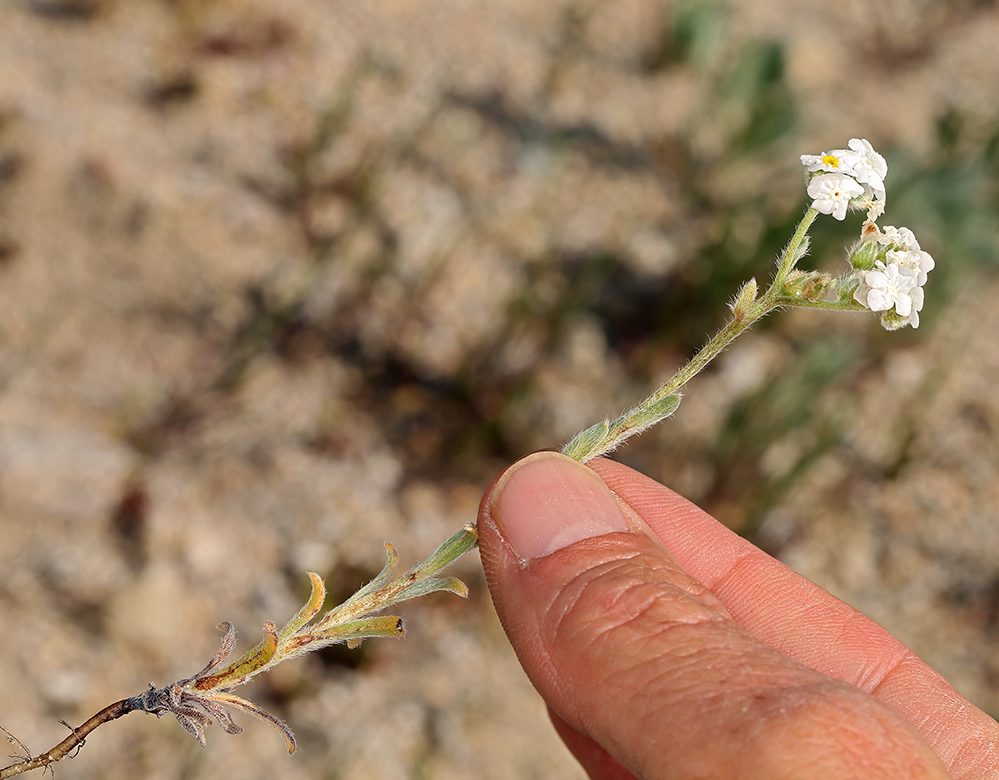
<point x="279" y="283"/>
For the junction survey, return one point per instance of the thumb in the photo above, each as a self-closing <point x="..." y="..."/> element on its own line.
<point x="642" y="665"/>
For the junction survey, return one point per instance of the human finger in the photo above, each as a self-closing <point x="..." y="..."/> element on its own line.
<point x="636" y="655"/>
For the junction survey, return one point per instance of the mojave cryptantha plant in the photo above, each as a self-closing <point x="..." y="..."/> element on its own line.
<point x="886" y="271"/>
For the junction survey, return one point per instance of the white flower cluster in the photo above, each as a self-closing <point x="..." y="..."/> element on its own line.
<point x="889" y="265"/>
<point x="844" y="176"/>
<point x="895" y="284"/>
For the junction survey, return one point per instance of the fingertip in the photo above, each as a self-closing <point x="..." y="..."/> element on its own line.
<point x="547" y="501"/>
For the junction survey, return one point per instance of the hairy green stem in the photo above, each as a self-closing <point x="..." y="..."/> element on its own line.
<point x="794" y="249"/>
<point x="609" y="434"/>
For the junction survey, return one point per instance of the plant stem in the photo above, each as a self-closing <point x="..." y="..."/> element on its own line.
<point x="609" y="434"/>
<point x="77" y="738"/>
<point x="793" y="251"/>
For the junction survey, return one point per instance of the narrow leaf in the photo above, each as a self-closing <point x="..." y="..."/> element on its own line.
<point x="309" y="611"/>
<point x="228" y="642"/>
<point x="249" y="707"/>
<point x="452" y="549"/>
<point x="383" y="578"/>
<point x="220" y="714"/>
<point x="384" y="625"/>
<point x="665" y="407"/>
<point x="585" y="442"/>
<point x="251" y="662"/>
<point x="363" y="600"/>
<point x="430" y="585"/>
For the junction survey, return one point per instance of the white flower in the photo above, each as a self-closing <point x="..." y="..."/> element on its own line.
<point x="905" y="252"/>
<point x="919" y="262"/>
<point x="903" y="238"/>
<point x="891" y="320"/>
<point x="831" y="193"/>
<point x="889" y="287"/>
<point x="862" y="163"/>
<point x="867" y="166"/>
<point x="855" y="177"/>
<point x="828" y="162"/>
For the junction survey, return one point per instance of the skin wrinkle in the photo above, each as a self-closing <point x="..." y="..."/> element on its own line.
<point x="970" y="752"/>
<point x="733" y="583"/>
<point x="732" y="574"/>
<point x="577" y="620"/>
<point x="865" y="677"/>
<point x="873" y="683"/>
<point x="563" y="625"/>
<point x="950" y="750"/>
<point x="738" y="576"/>
<point x="559" y="614"/>
<point x="899" y="667"/>
<point x="622" y="603"/>
<point x="705" y="549"/>
<point x="846" y="729"/>
<point x="667" y="675"/>
<point x="601" y="626"/>
<point x="638" y="602"/>
<point x="625" y="567"/>
<point x="681" y="679"/>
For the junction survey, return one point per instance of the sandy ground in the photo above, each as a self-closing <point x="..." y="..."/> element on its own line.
<point x="278" y="285"/>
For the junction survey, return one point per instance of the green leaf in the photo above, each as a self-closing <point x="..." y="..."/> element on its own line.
<point x="309" y="611"/>
<point x="450" y="551"/>
<point x="251" y="662"/>
<point x="582" y="446"/>
<point x="356" y="630"/>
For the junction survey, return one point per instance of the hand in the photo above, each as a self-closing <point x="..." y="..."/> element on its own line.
<point x="668" y="647"/>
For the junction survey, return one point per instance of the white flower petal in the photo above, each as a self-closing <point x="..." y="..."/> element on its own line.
<point x="878" y="300"/>
<point x="926" y="262"/>
<point x="867" y="166"/>
<point x="877" y="279"/>
<point x="892" y="287"/>
<point x="831" y="193"/>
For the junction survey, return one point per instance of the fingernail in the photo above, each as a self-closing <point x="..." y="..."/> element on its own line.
<point x="547" y="501"/>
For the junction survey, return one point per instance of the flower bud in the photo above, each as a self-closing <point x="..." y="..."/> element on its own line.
<point x="864" y="253"/>
<point x="745" y="299"/>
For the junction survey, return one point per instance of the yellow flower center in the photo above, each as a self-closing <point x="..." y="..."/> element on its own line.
<point x="831" y="160"/>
